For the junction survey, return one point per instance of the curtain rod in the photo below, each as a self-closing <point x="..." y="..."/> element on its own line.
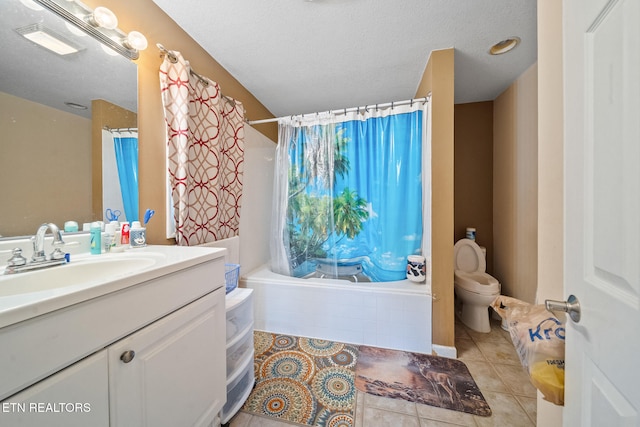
<point x="350" y="110"/>
<point x="107" y="128"/>
<point x="174" y="59"/>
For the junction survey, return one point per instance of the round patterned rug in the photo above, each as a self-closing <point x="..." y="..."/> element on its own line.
<point x="282" y="398"/>
<point x="334" y="387"/>
<point x="318" y="347"/>
<point x="288" y="364"/>
<point x="303" y="380"/>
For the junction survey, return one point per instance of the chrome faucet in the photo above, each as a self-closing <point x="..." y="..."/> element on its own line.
<point x="17" y="263"/>
<point x="38" y="243"/>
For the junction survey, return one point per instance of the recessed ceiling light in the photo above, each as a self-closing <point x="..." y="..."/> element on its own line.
<point x="75" y="105"/>
<point x="48" y="38"/>
<point x="504" y="46"/>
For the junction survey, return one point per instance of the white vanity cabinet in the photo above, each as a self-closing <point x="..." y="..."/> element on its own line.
<point x="151" y="354"/>
<point x="77" y="396"/>
<point x="168" y="374"/>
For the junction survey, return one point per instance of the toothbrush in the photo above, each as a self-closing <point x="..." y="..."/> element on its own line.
<point x="147" y="215"/>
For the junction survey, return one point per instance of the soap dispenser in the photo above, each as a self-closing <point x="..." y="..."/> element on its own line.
<point x="96" y="238"/>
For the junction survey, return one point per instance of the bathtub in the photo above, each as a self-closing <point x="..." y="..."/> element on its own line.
<point x="394" y="315"/>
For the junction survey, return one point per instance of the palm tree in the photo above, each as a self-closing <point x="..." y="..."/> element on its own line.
<point x="310" y="218"/>
<point x="349" y="212"/>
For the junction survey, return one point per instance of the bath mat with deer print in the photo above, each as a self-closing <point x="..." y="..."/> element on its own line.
<point x="419" y="378"/>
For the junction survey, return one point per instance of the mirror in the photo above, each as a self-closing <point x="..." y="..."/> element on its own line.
<point x="53" y="109"/>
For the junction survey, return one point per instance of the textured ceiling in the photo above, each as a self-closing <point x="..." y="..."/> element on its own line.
<point x="300" y="56"/>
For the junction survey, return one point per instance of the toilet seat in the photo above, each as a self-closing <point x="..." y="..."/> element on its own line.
<point x="468" y="256"/>
<point x="470" y="266"/>
<point x="478" y="283"/>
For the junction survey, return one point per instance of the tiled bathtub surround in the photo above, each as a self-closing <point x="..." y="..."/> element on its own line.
<point x="495" y="367"/>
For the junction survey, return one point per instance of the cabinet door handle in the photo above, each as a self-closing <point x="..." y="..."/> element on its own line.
<point x="127" y="356"/>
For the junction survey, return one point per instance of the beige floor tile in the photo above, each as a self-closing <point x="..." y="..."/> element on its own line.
<point x="433" y="423"/>
<point x="501" y="353"/>
<point x="468" y="350"/>
<point x="517" y="379"/>
<point x="374" y="417"/>
<point x="461" y="332"/>
<point x="530" y="406"/>
<point x="241" y="419"/>
<point x="494" y="336"/>
<point x="486" y="377"/>
<point x="506" y="411"/>
<point x="499" y="331"/>
<point x="269" y="422"/>
<point x="432" y="413"/>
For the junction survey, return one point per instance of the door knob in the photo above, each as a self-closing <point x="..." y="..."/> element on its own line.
<point x="127" y="356"/>
<point x="570" y="306"/>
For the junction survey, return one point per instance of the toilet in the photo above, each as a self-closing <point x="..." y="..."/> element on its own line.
<point x="475" y="289"/>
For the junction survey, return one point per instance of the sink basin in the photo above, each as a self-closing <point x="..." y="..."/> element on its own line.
<point x="30" y="294"/>
<point x="81" y="271"/>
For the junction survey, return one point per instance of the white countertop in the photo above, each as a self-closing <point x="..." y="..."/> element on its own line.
<point x="18" y="307"/>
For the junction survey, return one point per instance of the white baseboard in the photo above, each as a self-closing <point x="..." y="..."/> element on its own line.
<point x="445" y="351"/>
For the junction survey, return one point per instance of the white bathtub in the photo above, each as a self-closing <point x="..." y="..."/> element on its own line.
<point x="393" y="315"/>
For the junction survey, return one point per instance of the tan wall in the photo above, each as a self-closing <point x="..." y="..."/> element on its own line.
<point x="104" y="113"/>
<point x="146" y="17"/>
<point x="438" y="80"/>
<point x="550" y="171"/>
<point x="515" y="187"/>
<point x="53" y="169"/>
<point x="473" y="176"/>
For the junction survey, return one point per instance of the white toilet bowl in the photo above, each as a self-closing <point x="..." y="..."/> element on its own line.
<point x="475" y="289"/>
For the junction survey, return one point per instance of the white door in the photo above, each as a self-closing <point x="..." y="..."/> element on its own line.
<point x="602" y="210"/>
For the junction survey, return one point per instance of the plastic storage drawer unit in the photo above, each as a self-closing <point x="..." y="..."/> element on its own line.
<point x="240" y="375"/>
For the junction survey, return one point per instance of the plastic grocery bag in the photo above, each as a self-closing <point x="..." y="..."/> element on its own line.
<point x="538" y="336"/>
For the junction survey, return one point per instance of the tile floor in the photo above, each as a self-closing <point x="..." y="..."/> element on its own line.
<point x="493" y="363"/>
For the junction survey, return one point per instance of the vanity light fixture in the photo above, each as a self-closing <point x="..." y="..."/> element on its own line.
<point x="103" y="17"/>
<point x="101" y="24"/>
<point x="136" y="40"/>
<point x="504" y="46"/>
<point x="48" y="39"/>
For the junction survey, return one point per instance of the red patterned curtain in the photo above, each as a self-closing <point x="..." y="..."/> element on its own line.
<point x="205" y="152"/>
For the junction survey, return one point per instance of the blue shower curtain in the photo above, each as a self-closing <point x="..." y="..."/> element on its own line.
<point x="363" y="218"/>
<point x="126" y="149"/>
<point x="385" y="155"/>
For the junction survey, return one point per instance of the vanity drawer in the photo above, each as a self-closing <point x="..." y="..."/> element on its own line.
<point x="239" y="306"/>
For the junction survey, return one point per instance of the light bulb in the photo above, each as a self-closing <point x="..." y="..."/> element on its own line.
<point x="136" y="40"/>
<point x="31" y="5"/>
<point x="103" y="17"/>
<point x="108" y="50"/>
<point x="74" y="30"/>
